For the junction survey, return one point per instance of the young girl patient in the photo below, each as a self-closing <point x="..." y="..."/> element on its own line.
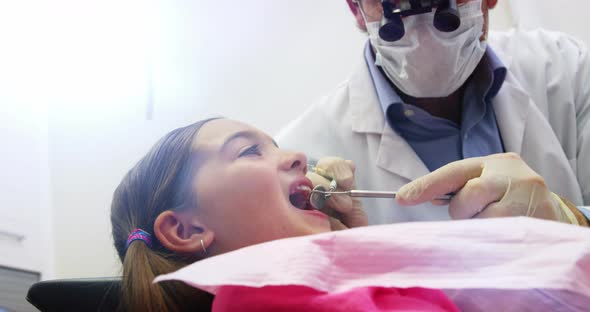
<point x="206" y="189"/>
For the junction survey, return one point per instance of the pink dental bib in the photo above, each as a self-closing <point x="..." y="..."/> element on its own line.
<point x="507" y="264"/>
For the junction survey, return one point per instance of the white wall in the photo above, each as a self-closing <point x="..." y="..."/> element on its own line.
<point x="113" y="76"/>
<point x="26" y="241"/>
<point x="25" y="215"/>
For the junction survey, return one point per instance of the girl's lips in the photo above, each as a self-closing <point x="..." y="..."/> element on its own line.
<point x="296" y="185"/>
<point x="316" y="213"/>
<point x="296" y="189"/>
<point x="299" y="193"/>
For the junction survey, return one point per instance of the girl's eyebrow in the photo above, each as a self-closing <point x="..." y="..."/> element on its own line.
<point x="274" y="142"/>
<point x="247" y="134"/>
<point x="270" y="139"/>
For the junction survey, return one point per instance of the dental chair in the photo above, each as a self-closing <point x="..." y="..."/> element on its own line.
<point x="91" y="294"/>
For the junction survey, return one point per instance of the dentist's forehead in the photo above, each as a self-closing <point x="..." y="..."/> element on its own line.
<point x="373" y="2"/>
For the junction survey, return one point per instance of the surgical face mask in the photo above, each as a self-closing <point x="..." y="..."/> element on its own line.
<point x="427" y="62"/>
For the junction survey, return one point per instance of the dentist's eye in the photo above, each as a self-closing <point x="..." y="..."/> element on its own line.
<point x="252" y="150"/>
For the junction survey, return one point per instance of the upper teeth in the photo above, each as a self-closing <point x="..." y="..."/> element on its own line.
<point x="304" y="188"/>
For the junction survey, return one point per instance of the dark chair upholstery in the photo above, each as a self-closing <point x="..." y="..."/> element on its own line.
<point x="81" y="294"/>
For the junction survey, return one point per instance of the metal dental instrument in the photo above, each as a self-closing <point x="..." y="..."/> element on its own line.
<point x="318" y="198"/>
<point x="369" y="194"/>
<point x="319" y="195"/>
<point x="320" y="172"/>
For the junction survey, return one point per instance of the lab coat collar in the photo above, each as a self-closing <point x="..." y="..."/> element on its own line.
<point x="397" y="156"/>
<point x="505" y="58"/>
<point x="367" y="116"/>
<point x="394" y="155"/>
<point x="511" y="106"/>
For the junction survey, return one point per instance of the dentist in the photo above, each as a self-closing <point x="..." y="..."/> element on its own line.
<point x="500" y="120"/>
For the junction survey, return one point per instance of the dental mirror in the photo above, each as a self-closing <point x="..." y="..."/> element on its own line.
<point x="318" y="199"/>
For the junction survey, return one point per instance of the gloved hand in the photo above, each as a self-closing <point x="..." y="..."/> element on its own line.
<point x="344" y="211"/>
<point x="500" y="185"/>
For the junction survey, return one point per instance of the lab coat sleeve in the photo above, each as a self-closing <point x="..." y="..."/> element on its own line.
<point x="580" y="58"/>
<point x="565" y="71"/>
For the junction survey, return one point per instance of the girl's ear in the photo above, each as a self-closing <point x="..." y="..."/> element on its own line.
<point x="183" y="232"/>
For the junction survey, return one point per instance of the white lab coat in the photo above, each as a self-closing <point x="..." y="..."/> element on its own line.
<point x="542" y="109"/>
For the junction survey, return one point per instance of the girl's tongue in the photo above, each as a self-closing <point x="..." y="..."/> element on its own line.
<point x="300" y="199"/>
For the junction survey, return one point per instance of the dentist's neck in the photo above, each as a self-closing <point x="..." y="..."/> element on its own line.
<point x="450" y="107"/>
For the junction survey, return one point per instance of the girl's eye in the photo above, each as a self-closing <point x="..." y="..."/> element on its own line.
<point x="252" y="150"/>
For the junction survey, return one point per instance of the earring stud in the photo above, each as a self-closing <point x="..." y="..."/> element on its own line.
<point x="203" y="246"/>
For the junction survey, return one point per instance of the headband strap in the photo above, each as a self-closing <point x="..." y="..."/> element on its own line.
<point x="139" y="234"/>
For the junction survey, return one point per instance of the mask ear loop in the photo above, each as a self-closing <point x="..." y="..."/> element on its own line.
<point x="360" y="6"/>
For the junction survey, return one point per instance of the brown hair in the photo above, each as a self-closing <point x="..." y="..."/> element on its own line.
<point x="158" y="182"/>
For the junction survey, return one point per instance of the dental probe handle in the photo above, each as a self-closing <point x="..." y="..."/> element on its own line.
<point x="371" y="194"/>
<point x="386" y="194"/>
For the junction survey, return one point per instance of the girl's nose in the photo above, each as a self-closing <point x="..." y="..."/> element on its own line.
<point x="295" y="161"/>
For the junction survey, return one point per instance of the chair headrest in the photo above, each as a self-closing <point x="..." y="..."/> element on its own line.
<point x="82" y="294"/>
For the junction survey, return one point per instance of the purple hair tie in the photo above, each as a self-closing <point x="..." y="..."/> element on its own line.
<point x="139" y="234"/>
